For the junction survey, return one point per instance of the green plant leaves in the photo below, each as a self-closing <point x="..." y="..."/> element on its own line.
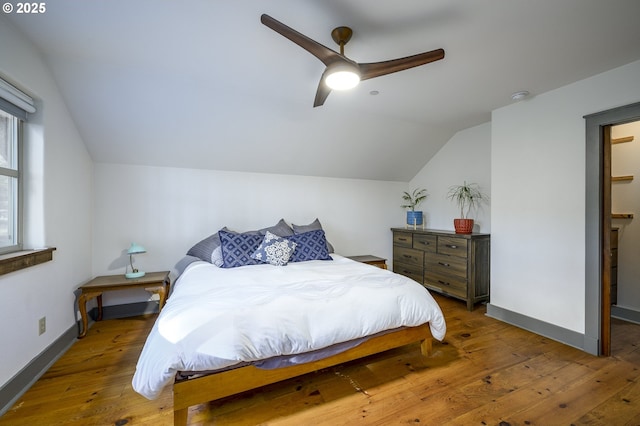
<point x="466" y="196"/>
<point x="414" y="199"/>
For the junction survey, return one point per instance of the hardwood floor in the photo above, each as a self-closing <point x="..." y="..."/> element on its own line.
<point x="484" y="373"/>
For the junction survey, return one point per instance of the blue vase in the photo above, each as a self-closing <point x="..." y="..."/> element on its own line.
<point x="414" y="218"/>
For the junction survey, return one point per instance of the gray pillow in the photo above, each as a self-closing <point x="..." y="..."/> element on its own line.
<point x="313" y="226"/>
<point x="203" y="249"/>
<point x="281" y="229"/>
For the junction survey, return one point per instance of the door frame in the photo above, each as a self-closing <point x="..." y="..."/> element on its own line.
<point x="598" y="225"/>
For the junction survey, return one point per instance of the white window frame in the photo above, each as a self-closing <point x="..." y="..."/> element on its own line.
<point x="15" y="217"/>
<point x="16" y="104"/>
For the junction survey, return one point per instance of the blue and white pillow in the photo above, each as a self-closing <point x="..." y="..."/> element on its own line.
<point x="274" y="250"/>
<point x="310" y="245"/>
<point x="313" y="226"/>
<point x="238" y="248"/>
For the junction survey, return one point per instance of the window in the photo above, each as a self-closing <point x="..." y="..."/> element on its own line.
<point x="14" y="106"/>
<point x="10" y="199"/>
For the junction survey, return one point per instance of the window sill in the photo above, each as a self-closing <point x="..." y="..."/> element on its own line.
<point x="23" y="259"/>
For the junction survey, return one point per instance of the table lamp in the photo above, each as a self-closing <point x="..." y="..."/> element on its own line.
<point x="134" y="249"/>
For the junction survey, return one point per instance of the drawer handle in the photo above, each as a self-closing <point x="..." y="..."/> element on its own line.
<point x="453" y="246"/>
<point x="408" y="256"/>
<point x="443" y="264"/>
<point x="426" y="243"/>
<point x="402" y="239"/>
<point x="443" y="283"/>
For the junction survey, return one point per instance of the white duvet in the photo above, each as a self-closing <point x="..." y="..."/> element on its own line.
<point x="219" y="317"/>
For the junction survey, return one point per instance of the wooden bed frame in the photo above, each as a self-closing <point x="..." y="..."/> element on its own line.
<point x="203" y="389"/>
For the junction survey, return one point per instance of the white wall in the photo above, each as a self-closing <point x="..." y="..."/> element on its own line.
<point x="58" y="211"/>
<point x="538" y="197"/>
<point x="625" y="198"/>
<point x="167" y="210"/>
<point x="465" y="157"/>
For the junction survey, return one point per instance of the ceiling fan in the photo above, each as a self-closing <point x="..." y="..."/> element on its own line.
<point x="341" y="72"/>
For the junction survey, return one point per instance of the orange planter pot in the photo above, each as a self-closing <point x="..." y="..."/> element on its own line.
<point x="463" y="226"/>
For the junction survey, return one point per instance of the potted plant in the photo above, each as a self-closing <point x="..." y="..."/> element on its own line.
<point x="466" y="196"/>
<point x="413" y="200"/>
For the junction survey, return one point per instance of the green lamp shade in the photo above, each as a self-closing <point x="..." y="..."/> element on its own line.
<point x="135" y="249"/>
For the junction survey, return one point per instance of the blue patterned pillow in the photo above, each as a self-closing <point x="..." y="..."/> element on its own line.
<point x="238" y="248"/>
<point x="299" y="229"/>
<point x="274" y="250"/>
<point x="310" y="245"/>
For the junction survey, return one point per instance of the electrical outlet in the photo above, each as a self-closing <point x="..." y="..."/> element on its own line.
<point x="42" y="325"/>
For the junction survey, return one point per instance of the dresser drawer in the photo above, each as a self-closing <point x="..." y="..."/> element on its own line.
<point x="407" y="256"/>
<point x="448" y="284"/>
<point x="404" y="239"/>
<point x="426" y="243"/>
<point x="452" y="246"/>
<point x="411" y="271"/>
<point x="446" y="265"/>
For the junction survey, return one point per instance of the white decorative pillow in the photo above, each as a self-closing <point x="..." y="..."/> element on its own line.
<point x="274" y="250"/>
<point x="216" y="257"/>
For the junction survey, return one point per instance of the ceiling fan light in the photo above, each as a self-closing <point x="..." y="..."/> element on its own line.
<point x="342" y="78"/>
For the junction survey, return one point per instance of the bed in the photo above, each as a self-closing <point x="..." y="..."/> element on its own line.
<point x="225" y="330"/>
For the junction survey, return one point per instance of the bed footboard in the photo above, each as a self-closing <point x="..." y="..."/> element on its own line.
<point x="219" y="385"/>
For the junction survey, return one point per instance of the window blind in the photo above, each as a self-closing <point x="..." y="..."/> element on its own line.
<point x="15" y="101"/>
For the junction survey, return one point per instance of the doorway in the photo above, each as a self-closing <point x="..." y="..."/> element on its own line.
<point x="625" y="235"/>
<point x="598" y="225"/>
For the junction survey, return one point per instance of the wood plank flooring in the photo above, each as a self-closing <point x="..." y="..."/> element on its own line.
<point x="484" y="373"/>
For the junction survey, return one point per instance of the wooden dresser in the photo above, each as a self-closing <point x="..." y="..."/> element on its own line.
<point x="445" y="262"/>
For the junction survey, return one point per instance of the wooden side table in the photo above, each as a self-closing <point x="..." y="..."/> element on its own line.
<point x="153" y="282"/>
<point x="371" y="260"/>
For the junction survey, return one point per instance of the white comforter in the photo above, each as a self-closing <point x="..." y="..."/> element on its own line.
<point x="219" y="317"/>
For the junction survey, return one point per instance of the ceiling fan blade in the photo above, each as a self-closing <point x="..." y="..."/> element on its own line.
<point x="322" y="92"/>
<point x="376" y="69"/>
<point x="326" y="55"/>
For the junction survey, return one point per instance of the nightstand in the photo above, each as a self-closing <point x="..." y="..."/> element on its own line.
<point x="153" y="282"/>
<point x="370" y="260"/>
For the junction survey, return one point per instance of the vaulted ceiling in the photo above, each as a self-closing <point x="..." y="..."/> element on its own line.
<point x="203" y="84"/>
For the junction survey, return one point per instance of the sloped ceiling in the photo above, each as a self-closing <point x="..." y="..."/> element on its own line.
<point x="203" y="84"/>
